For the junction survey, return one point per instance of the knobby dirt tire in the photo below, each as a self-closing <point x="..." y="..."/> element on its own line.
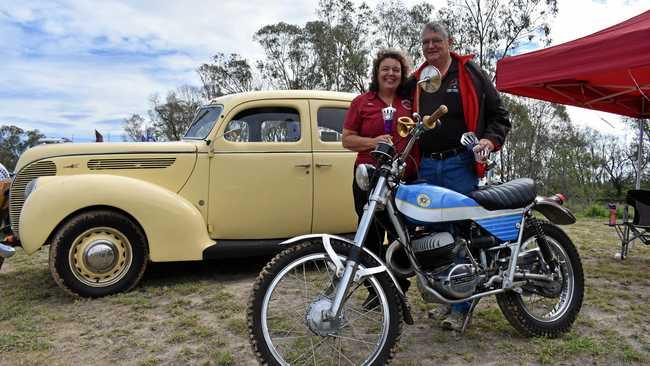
<point x="300" y="250"/>
<point x="514" y="311"/>
<point x="66" y="235"/>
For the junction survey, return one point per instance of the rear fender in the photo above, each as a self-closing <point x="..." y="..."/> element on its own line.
<point x="174" y="228"/>
<point x="553" y="211"/>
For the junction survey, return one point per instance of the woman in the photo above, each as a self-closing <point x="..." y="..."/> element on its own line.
<point x="364" y="127"/>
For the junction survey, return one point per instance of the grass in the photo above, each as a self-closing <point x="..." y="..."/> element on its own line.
<point x="195" y="314"/>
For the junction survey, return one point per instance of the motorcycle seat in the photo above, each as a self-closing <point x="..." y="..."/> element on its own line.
<point x="514" y="194"/>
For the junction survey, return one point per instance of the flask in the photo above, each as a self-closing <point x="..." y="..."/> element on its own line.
<point x="612" y="214"/>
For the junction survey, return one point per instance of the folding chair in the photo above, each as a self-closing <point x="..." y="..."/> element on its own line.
<point x="639" y="227"/>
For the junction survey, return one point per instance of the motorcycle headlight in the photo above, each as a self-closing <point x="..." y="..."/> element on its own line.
<point x="362" y="176"/>
<point x="30" y="187"/>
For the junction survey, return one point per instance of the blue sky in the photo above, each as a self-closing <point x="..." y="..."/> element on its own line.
<point x="70" y="67"/>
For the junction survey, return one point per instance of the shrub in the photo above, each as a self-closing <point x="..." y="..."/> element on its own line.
<point x="595" y="210"/>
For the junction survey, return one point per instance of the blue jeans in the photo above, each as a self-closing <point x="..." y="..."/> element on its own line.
<point x="456" y="173"/>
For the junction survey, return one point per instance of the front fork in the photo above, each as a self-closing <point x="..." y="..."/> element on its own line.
<point x="378" y="196"/>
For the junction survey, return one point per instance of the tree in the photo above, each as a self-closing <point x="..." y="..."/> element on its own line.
<point x="14" y="141"/>
<point x="329" y="53"/>
<point x="134" y="127"/>
<point x="173" y="117"/>
<point x="348" y="30"/>
<point x="289" y="63"/>
<point x="492" y="29"/>
<point x="616" y="165"/>
<point x="632" y="150"/>
<point x="400" y="27"/>
<point x="225" y="75"/>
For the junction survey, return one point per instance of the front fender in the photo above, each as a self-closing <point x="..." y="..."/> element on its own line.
<point x="174" y="228"/>
<point x="326" y="238"/>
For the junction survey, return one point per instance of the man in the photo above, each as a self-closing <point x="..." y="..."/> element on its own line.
<point x="474" y="105"/>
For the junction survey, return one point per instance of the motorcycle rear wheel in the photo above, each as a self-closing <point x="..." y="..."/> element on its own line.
<point x="301" y="279"/>
<point x="549" y="316"/>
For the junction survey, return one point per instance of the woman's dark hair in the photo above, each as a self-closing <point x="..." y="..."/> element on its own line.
<point x="395" y="54"/>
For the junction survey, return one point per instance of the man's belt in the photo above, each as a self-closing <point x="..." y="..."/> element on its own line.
<point x="442" y="155"/>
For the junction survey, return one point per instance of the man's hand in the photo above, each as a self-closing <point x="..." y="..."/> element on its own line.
<point x="483" y="149"/>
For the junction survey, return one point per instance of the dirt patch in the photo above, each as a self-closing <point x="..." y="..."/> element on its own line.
<point x="194" y="313"/>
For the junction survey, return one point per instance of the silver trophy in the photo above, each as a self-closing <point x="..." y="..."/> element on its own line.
<point x="470" y="141"/>
<point x="389" y="114"/>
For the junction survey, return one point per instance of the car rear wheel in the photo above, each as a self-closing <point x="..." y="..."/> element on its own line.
<point x="98" y="253"/>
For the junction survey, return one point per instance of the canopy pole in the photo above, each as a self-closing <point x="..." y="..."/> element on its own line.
<point x="639" y="156"/>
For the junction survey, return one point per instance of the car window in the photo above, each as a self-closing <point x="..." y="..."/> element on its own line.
<point x="203" y="122"/>
<point x="330" y="123"/>
<point x="269" y="124"/>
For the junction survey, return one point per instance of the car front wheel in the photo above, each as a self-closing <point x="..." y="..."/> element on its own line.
<point x="98" y="253"/>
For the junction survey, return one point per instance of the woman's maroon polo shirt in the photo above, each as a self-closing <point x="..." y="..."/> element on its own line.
<point x="365" y="117"/>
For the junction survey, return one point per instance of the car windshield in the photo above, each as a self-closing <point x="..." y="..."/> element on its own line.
<point x="203" y="122"/>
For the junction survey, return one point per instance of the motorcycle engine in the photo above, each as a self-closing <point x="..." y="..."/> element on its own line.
<point x="436" y="253"/>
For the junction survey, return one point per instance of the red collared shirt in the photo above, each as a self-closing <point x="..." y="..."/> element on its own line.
<point x="365" y="117"/>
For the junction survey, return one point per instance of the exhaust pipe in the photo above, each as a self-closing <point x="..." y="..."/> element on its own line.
<point x="6" y="251"/>
<point x="398" y="262"/>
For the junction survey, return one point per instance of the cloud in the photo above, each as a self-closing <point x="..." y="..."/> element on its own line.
<point x="116" y="122"/>
<point x="69" y="66"/>
<point x="79" y="63"/>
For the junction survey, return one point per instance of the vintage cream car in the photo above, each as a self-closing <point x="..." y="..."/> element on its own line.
<point x="252" y="169"/>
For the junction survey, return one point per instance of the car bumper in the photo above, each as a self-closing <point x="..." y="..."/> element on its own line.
<point x="6" y="251"/>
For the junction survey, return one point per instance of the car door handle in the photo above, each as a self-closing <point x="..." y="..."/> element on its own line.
<point x="323" y="165"/>
<point x="303" y="165"/>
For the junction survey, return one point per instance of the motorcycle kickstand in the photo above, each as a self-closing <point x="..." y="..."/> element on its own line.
<point x="469" y="314"/>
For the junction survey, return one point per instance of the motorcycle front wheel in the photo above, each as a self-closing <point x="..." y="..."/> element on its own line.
<point x="285" y="313"/>
<point x="545" y="310"/>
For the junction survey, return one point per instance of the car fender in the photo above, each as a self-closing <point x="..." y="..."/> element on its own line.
<point x="174" y="228"/>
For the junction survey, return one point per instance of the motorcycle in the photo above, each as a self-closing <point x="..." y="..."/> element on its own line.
<point x="327" y="299"/>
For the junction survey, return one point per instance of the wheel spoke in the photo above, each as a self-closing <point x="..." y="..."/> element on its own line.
<point x="544" y="308"/>
<point x="294" y="330"/>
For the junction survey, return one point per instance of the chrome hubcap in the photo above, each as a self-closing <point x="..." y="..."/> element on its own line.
<point x="100" y="256"/>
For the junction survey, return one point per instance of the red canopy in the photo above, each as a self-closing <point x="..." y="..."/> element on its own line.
<point x="608" y="71"/>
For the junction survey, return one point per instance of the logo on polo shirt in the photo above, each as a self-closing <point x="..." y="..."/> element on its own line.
<point x="453" y="86"/>
<point x="406" y="104"/>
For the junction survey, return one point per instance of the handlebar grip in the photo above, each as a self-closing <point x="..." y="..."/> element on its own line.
<point x="441" y="111"/>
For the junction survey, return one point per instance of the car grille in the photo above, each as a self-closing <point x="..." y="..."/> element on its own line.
<point x="143" y="163"/>
<point x="17" y="192"/>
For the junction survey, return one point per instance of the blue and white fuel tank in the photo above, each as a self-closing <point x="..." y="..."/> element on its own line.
<point x="424" y="204"/>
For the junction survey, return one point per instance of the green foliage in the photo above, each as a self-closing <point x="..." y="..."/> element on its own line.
<point x="225" y="75"/>
<point x="13" y="141"/>
<point x="173" y="116"/>
<point x="595" y="210"/>
<point x="492" y="29"/>
<point x="334" y="52"/>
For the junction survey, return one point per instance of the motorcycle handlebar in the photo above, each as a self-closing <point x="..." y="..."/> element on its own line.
<point x="441" y="111"/>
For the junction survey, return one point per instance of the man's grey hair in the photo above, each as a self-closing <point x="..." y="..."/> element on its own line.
<point x="435" y="27"/>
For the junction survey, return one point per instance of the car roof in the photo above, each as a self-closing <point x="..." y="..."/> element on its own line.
<point x="284" y="94"/>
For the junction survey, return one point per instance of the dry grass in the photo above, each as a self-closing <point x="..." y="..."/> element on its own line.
<point x="194" y="314"/>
